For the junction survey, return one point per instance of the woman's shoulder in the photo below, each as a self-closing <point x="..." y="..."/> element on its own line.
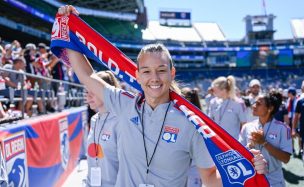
<point x="280" y="124"/>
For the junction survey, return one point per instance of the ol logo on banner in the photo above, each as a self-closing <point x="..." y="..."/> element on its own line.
<point x="237" y="168"/>
<point x="14" y="147"/>
<point x="170" y="134"/>
<point x="64" y="142"/>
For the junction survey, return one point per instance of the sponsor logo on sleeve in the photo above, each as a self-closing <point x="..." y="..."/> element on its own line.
<point x="170" y="134"/>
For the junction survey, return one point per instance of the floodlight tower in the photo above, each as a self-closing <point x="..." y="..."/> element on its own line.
<point x="259" y="29"/>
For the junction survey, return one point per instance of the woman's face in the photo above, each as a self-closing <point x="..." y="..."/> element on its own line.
<point x="219" y="93"/>
<point x="155" y="77"/>
<point x="259" y="108"/>
<point x="93" y="101"/>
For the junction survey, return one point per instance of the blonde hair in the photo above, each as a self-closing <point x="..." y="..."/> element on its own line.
<point x="175" y="87"/>
<point x="226" y="83"/>
<point x="160" y="48"/>
<point x="108" y="77"/>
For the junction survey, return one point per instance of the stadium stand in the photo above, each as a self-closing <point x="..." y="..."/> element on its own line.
<point x="203" y="51"/>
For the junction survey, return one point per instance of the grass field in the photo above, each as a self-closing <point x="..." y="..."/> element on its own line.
<point x="294" y="171"/>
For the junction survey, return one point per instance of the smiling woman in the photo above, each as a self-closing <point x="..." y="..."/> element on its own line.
<point x="155" y="74"/>
<point x="158" y="142"/>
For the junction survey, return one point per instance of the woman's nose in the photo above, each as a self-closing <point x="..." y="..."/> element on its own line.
<point x="154" y="76"/>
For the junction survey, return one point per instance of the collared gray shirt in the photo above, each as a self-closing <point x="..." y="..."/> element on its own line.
<point x="229" y="114"/>
<point x="178" y="145"/>
<point x="104" y="132"/>
<point x="278" y="135"/>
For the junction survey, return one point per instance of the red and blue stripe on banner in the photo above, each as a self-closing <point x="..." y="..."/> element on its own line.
<point x="231" y="158"/>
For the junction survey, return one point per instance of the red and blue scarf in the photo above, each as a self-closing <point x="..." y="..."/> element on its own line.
<point x="233" y="160"/>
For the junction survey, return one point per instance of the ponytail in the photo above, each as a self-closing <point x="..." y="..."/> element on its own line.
<point x="227" y="84"/>
<point x="231" y="87"/>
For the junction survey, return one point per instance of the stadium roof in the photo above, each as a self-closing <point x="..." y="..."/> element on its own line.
<point x="114" y="9"/>
<point x="199" y="32"/>
<point x="298" y="28"/>
<point x="210" y="31"/>
<point x="126" y="6"/>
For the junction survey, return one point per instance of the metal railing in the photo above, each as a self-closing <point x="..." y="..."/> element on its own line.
<point x="70" y="94"/>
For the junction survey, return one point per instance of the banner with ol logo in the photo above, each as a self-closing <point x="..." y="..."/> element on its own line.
<point x="64" y="142"/>
<point x="95" y="47"/>
<point x="14" y="148"/>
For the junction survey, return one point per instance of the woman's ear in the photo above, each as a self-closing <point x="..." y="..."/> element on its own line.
<point x="270" y="109"/>
<point x="173" y="71"/>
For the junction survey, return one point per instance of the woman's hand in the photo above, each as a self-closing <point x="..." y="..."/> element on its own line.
<point x="258" y="137"/>
<point x="260" y="164"/>
<point x="67" y="10"/>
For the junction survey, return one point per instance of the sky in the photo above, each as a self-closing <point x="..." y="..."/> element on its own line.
<point x="229" y="14"/>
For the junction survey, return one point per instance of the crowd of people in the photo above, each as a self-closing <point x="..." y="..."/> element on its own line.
<point x="36" y="60"/>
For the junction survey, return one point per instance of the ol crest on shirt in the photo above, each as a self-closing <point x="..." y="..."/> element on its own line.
<point x="106" y="136"/>
<point x="272" y="136"/>
<point x="170" y="134"/>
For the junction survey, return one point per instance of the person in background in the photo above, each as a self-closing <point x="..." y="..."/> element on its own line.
<point x="268" y="135"/>
<point x="14" y="80"/>
<point x="302" y="89"/>
<point x="30" y="58"/>
<point x="194" y="179"/>
<point x="102" y="140"/>
<point x="7" y="57"/>
<point x="2" y="52"/>
<point x="226" y="109"/>
<point x="208" y="98"/>
<point x="16" y="49"/>
<point x="2" y="112"/>
<point x="291" y="107"/>
<point x="298" y="125"/>
<point x="254" y="92"/>
<point x="56" y="70"/>
<point x="282" y="114"/>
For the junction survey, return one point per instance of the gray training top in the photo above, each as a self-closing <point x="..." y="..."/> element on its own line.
<point x="105" y="134"/>
<point x="278" y="135"/>
<point x="228" y="114"/>
<point x="178" y="144"/>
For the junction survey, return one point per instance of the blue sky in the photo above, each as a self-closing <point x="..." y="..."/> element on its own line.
<point x="229" y="14"/>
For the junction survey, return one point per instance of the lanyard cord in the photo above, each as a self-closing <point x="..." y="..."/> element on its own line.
<point x="143" y="135"/>
<point x="223" y="112"/>
<point x="265" y="136"/>
<point x="96" y="123"/>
